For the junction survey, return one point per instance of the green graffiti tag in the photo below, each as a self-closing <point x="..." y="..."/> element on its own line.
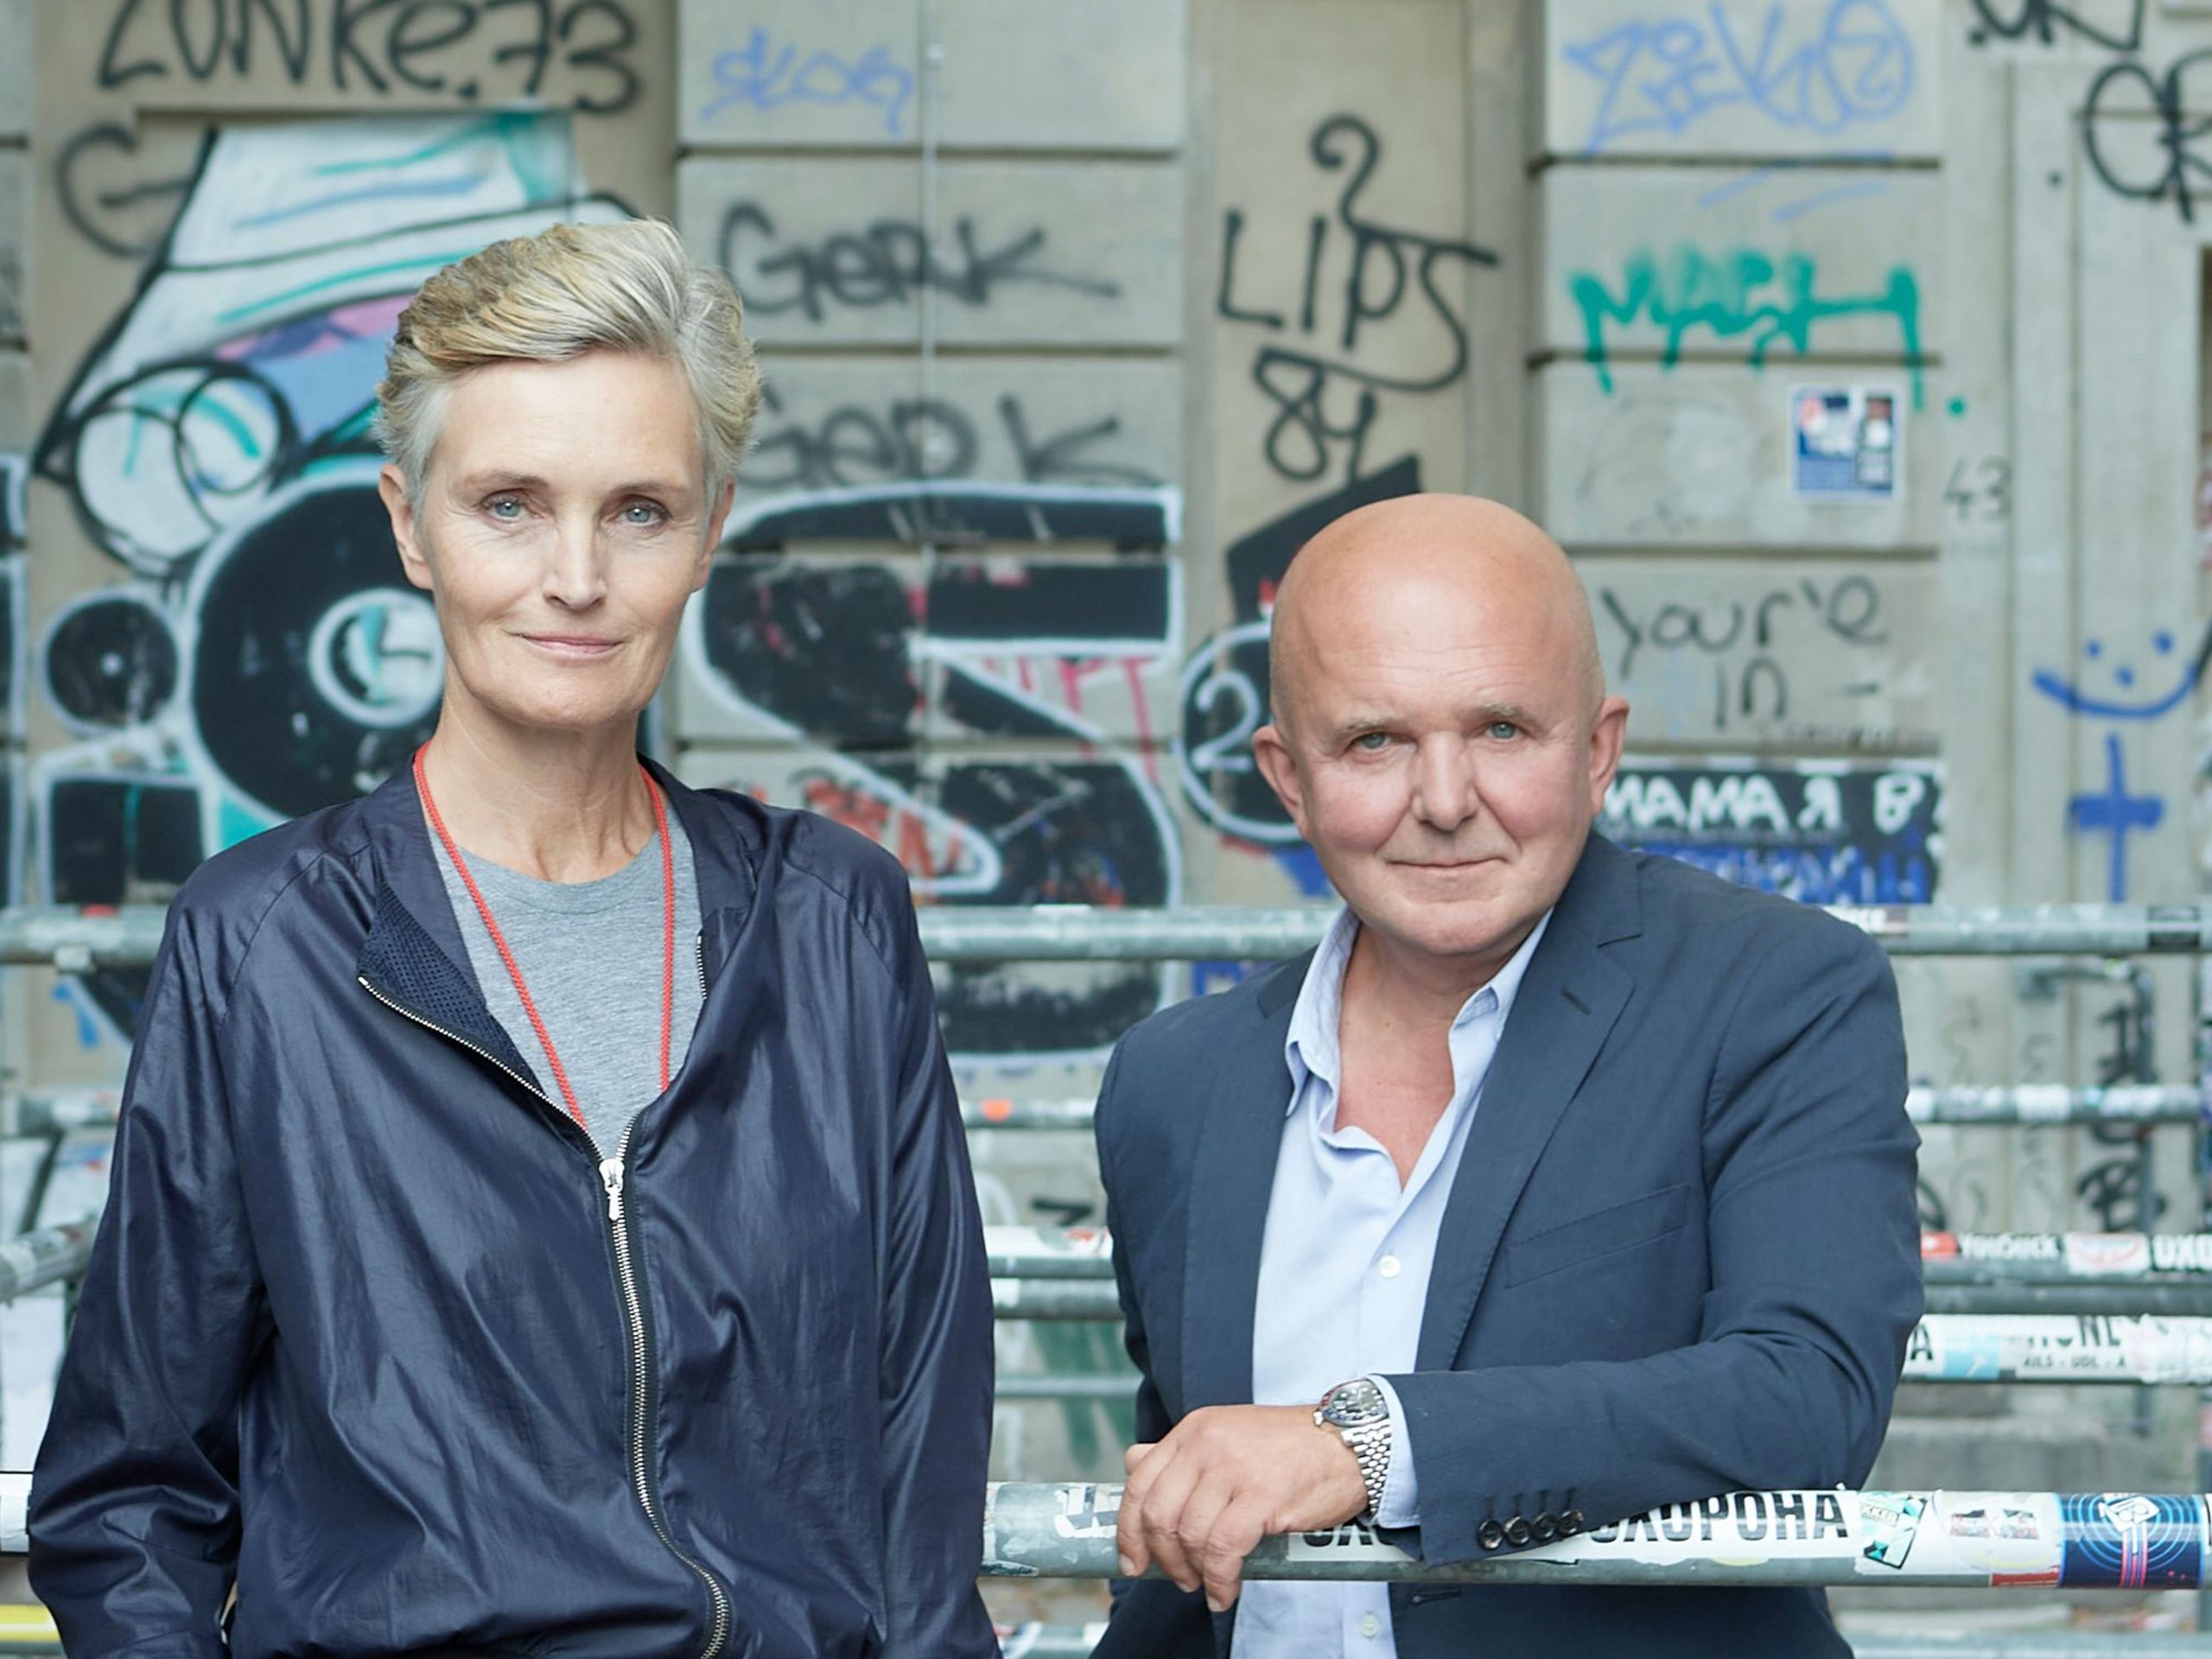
<point x="1742" y="293"/>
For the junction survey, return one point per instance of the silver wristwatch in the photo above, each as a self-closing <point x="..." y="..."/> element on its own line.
<point x="1360" y="1412"/>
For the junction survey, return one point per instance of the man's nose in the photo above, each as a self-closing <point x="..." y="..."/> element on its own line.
<point x="575" y="571"/>
<point x="1443" y="783"/>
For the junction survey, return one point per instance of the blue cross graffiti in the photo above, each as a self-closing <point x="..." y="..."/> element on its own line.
<point x="2116" y="813"/>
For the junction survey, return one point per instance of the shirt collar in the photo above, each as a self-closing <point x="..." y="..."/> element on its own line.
<point x="1310" y="1048"/>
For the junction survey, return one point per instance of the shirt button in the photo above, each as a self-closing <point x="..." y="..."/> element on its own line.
<point x="1387" y="1267"/>
<point x="1370" y="1626"/>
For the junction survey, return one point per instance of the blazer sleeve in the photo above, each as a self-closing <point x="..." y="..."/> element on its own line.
<point x="134" y="1506"/>
<point x="1814" y="1286"/>
<point x="1151" y="1420"/>
<point x="937" y="1345"/>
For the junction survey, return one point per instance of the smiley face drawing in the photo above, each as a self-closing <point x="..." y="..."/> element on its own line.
<point x="2134" y="701"/>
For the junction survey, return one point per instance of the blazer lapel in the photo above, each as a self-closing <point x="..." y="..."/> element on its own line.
<point x="1232" y="1175"/>
<point x="1567" y="1007"/>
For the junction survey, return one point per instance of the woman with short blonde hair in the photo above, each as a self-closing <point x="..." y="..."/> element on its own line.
<point x="540" y="1221"/>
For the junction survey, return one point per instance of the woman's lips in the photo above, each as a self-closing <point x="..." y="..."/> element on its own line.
<point x="575" y="646"/>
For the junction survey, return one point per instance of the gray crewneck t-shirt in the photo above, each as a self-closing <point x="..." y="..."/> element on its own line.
<point x="591" y="954"/>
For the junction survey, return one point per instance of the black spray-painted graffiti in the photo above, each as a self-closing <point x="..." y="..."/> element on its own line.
<point x="1390" y="267"/>
<point x="1821" y="833"/>
<point x="2115" y="24"/>
<point x="839" y="655"/>
<point x="103" y="197"/>
<point x="1755" y="686"/>
<point x="2138" y="130"/>
<point x="926" y="438"/>
<point x="2140" y="134"/>
<point x="492" y="51"/>
<point x="886" y="262"/>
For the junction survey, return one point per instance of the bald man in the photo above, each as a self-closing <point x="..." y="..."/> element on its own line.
<point x="1560" y="1182"/>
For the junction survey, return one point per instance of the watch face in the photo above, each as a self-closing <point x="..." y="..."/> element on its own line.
<point x="1350" y="1405"/>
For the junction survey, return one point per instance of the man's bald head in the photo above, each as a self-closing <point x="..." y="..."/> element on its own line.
<point x="1461" y="542"/>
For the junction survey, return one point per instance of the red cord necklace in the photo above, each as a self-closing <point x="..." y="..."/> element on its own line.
<point x="514" y="971"/>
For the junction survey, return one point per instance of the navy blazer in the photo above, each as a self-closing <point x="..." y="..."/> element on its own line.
<point x="1680" y="1254"/>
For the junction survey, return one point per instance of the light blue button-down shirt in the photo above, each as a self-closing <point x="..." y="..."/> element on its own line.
<point x="1343" y="1275"/>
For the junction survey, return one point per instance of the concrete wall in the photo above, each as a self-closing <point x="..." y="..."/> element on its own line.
<point x="1077" y="318"/>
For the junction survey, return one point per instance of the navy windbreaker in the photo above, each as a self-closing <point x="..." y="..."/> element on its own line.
<point x="366" y="1329"/>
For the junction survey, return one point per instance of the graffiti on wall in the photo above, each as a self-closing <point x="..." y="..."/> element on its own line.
<point x="1740" y="294"/>
<point x="1394" y="325"/>
<point x="1822" y="832"/>
<point x="263" y="657"/>
<point x="853" y="664"/>
<point x="2142" y="133"/>
<point x="581" y="52"/>
<point x="2120" y="689"/>
<point x="1826" y="69"/>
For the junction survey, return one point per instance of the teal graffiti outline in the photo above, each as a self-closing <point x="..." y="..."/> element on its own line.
<point x="1703" y="291"/>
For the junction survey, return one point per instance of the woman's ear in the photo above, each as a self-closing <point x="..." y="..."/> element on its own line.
<point x="397" y="502"/>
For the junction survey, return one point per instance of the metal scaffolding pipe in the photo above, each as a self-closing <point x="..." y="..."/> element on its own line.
<point x="74" y="939"/>
<point x="57" y="1111"/>
<point x="2035" y="1104"/>
<point x="2039" y="1104"/>
<point x="1077" y="1641"/>
<point x="1945" y="1348"/>
<point x="1977" y="1539"/>
<point x="48" y="1256"/>
<point x="1094" y="1298"/>
<point x="2110" y="1260"/>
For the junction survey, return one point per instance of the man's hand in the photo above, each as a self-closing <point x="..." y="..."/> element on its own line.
<point x="1225" y="1478"/>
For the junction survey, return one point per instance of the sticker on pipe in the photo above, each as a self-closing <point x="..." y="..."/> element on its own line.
<point x="1735" y="1528"/>
<point x="2132" y="1541"/>
<point x="2011" y="1536"/>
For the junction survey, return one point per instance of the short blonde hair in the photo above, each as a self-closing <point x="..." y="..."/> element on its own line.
<point x="571" y="288"/>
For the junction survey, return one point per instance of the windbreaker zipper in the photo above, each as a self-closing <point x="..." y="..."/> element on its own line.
<point x="633" y="1309"/>
<point x="633" y="1312"/>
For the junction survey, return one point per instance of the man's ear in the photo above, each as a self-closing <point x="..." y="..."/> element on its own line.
<point x="1607" y="733"/>
<point x="393" y="488"/>
<point x="1271" y="749"/>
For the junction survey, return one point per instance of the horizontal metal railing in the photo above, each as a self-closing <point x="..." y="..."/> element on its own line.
<point x="1956" y="1540"/>
<point x="51" y="1255"/>
<point x="1093" y="1300"/>
<point x="2102" y="1259"/>
<point x="1945" y="1348"/>
<point x="1077" y="1641"/>
<point x="75" y="939"/>
<point x="2032" y="1104"/>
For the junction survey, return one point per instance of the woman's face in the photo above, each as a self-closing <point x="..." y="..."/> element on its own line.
<point x="563" y="524"/>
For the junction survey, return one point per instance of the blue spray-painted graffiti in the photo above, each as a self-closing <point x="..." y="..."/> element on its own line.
<point x="2111" y="810"/>
<point x="2116" y="813"/>
<point x="767" y="77"/>
<point x="2072" y="697"/>
<point x="1664" y="75"/>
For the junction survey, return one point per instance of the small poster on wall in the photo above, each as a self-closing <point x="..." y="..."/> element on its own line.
<point x="1846" y="442"/>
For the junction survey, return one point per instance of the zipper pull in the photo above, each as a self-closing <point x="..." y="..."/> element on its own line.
<point x="610" y="1176"/>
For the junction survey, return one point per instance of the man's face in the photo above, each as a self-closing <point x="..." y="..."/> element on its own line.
<point x="1444" y="758"/>
<point x="563" y="524"/>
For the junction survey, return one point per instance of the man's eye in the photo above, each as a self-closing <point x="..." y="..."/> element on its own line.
<point x="1503" y="729"/>
<point x="645" y="514"/>
<point x="505" y="508"/>
<point x="1371" y="742"/>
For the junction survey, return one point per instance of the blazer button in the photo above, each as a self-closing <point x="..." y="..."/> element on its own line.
<point x="1544" y="1527"/>
<point x="1570" y="1524"/>
<point x="1517" y="1532"/>
<point x="1489" y="1536"/>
